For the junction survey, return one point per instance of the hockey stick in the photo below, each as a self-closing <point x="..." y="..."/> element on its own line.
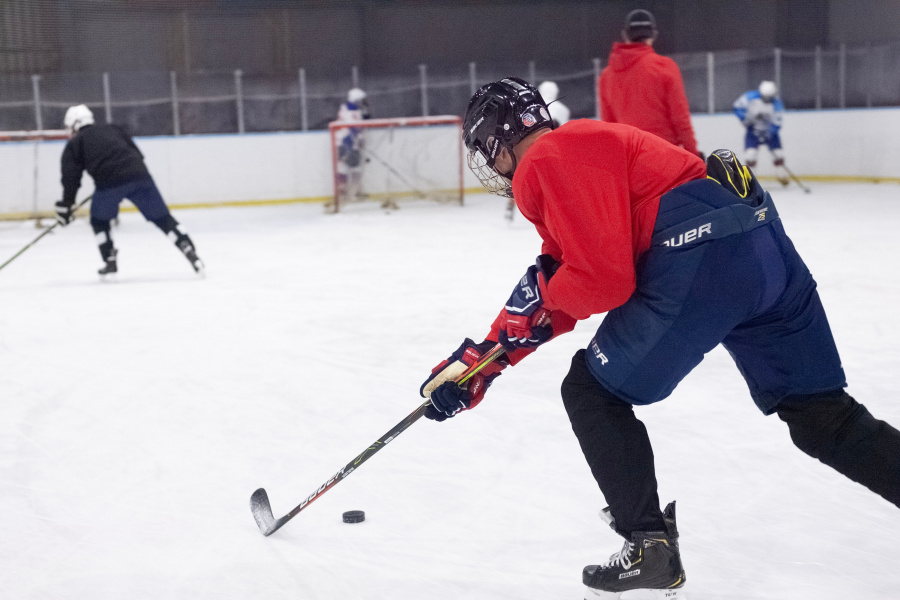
<point x="45" y="232"/>
<point x="794" y="177"/>
<point x="259" y="501"/>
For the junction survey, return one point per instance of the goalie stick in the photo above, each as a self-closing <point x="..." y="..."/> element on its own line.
<point x="43" y="233"/>
<point x="259" y="501"/>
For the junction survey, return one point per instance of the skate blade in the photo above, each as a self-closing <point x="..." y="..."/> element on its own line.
<point x="639" y="594"/>
<point x="199" y="268"/>
<point x="108" y="277"/>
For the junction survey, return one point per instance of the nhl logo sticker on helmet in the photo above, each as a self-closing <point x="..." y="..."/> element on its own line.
<point x="528" y="120"/>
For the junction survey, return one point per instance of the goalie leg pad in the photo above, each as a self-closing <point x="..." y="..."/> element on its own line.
<point x="750" y="155"/>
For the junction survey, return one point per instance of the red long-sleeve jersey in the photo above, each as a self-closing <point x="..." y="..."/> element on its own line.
<point x="643" y="89"/>
<point x="592" y="190"/>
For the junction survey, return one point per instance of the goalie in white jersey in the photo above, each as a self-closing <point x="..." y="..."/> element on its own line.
<point x="350" y="146"/>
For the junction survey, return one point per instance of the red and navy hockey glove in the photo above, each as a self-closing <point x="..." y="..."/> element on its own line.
<point x="447" y="398"/>
<point x="526" y="323"/>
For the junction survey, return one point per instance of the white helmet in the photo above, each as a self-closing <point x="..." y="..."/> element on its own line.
<point x="549" y="91"/>
<point x="767" y="90"/>
<point x="356" y="96"/>
<point x="77" y="117"/>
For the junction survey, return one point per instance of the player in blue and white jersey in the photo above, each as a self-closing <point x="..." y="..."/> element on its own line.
<point x="761" y="112"/>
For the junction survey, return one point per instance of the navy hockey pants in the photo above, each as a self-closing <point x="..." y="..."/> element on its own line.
<point x="753" y="140"/>
<point x="723" y="279"/>
<point x="718" y="272"/>
<point x="143" y="193"/>
<point x="749" y="291"/>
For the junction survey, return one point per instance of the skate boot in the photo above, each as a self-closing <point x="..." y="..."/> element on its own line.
<point x="187" y="248"/>
<point x="110" y="268"/>
<point x="647" y="568"/>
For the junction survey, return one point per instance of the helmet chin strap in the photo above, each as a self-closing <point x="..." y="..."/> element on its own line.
<point x="515" y="163"/>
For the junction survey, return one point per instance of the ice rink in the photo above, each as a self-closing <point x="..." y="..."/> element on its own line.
<point x="138" y="417"/>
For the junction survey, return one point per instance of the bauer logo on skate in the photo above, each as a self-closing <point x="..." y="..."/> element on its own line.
<point x="628" y="574"/>
<point x="689" y="236"/>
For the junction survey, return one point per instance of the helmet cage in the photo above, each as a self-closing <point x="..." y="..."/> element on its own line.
<point x="499" y="116"/>
<point x="493" y="182"/>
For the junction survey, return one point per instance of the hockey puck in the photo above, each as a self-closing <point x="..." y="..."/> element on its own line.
<point x="354" y="516"/>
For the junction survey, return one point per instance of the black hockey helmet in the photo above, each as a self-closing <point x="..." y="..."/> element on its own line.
<point x="500" y="115"/>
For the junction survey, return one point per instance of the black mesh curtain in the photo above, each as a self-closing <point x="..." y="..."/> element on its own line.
<point x="167" y="67"/>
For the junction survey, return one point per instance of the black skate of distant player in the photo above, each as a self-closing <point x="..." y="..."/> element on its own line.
<point x="112" y="159"/>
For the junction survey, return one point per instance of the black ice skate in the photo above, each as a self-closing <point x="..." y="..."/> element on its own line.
<point x="648" y="567"/>
<point x="187" y="248"/>
<point x="110" y="268"/>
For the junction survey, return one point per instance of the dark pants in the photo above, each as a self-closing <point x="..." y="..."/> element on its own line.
<point x="753" y="140"/>
<point x="750" y="292"/>
<point x="144" y="194"/>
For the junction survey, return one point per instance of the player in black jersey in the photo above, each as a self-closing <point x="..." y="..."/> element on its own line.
<point x="112" y="159"/>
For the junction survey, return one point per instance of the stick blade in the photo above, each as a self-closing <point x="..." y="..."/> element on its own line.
<point x="262" y="512"/>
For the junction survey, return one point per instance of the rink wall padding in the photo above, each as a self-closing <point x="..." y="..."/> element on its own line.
<point x="854" y="145"/>
<point x="277" y="168"/>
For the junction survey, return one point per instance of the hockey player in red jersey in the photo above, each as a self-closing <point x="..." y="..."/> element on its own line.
<point x="643" y="89"/>
<point x="684" y="256"/>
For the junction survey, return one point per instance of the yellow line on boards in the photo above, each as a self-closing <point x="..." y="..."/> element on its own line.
<point x="127" y="207"/>
<point x="276" y="202"/>
<point x="23" y="216"/>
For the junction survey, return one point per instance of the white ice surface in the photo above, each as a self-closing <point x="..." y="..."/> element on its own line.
<point x="138" y="417"/>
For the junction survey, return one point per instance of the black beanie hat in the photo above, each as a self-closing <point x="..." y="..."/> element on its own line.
<point x="639" y="25"/>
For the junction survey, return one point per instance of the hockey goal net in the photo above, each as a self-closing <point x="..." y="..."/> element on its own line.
<point x="32" y="160"/>
<point x="386" y="161"/>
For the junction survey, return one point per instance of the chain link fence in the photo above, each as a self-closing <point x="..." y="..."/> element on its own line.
<point x="233" y="101"/>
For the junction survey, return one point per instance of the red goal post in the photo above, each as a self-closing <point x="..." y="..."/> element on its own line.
<point x="398" y="159"/>
<point x="34" y="135"/>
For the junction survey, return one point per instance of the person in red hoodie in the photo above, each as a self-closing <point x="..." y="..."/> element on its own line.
<point x="684" y="256"/>
<point x="643" y="89"/>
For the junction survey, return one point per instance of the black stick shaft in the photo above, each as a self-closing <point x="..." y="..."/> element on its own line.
<point x="259" y="501"/>
<point x="43" y="233"/>
<point x="359" y="460"/>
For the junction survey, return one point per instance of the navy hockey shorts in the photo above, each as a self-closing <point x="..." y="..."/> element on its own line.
<point x="753" y="140"/>
<point x="745" y="288"/>
<point x="142" y="192"/>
